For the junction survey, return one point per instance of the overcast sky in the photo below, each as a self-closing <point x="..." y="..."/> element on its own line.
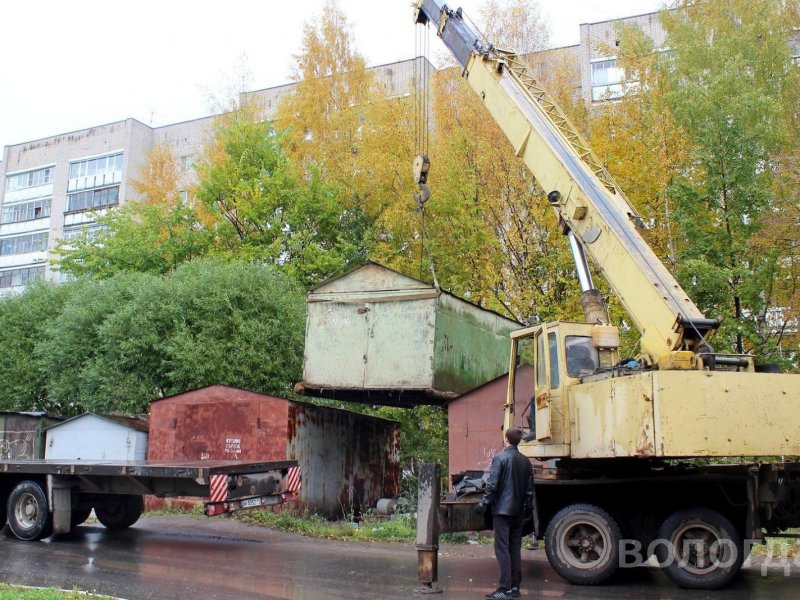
<point x="71" y="65"/>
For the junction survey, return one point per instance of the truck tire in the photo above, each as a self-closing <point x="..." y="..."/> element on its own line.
<point x="79" y="516"/>
<point x="119" y="511"/>
<point x="582" y="544"/>
<point x="29" y="516"/>
<point x="3" y="512"/>
<point x="699" y="549"/>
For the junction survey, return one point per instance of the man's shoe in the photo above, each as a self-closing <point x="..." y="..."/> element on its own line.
<point x="499" y="594"/>
<point x="513" y="592"/>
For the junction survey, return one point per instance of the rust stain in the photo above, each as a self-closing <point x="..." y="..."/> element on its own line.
<point x="645" y="444"/>
<point x="291" y="431"/>
<point x="542" y="400"/>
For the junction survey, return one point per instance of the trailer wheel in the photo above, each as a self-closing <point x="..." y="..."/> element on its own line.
<point x="79" y="516"/>
<point x="700" y="549"/>
<point x="582" y="544"/>
<point x="29" y="516"/>
<point x="119" y="511"/>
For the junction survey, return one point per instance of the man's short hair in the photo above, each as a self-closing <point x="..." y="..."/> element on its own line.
<point x="514" y="435"/>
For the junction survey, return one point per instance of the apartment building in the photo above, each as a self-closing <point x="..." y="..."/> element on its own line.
<point x="54" y="188"/>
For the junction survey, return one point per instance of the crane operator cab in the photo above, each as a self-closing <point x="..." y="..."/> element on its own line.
<point x="546" y="361"/>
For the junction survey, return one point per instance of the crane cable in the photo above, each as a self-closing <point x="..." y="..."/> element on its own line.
<point x="421" y="164"/>
<point x="422" y="91"/>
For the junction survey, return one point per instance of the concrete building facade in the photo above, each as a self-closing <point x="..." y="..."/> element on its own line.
<point x="54" y="188"/>
<point x="601" y="78"/>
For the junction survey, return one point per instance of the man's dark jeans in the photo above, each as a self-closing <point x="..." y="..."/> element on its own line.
<point x="507" y="549"/>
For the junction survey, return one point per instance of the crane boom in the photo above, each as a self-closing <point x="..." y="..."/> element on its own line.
<point x="589" y="204"/>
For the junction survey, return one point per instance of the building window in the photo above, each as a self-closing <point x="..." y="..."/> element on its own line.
<point x="30" y="179"/>
<point x="607" y="80"/>
<point x="184" y="195"/>
<point x="96" y="166"/>
<point x="20" y="277"/>
<point x="92" y="199"/>
<point x="91" y="230"/>
<point x="23" y="244"/>
<point x="27" y="211"/>
<point x="95" y="172"/>
<point x="186" y="163"/>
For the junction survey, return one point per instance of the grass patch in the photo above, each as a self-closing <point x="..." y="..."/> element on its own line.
<point x="780" y="547"/>
<point x="15" y="592"/>
<point x="371" y="528"/>
<point x="466" y="537"/>
<point x="196" y="510"/>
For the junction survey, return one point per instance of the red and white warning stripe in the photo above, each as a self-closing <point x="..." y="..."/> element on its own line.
<point x="219" y="488"/>
<point x="292" y="481"/>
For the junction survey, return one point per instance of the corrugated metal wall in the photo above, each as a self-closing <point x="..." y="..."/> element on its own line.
<point x="473" y="345"/>
<point x="475" y="422"/>
<point x="348" y="461"/>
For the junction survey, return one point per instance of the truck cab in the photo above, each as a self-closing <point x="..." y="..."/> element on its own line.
<point x="558" y="354"/>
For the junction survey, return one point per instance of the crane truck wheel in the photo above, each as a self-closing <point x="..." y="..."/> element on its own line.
<point x="699" y="549"/>
<point x="29" y="516"/>
<point x="119" y="511"/>
<point x="582" y="544"/>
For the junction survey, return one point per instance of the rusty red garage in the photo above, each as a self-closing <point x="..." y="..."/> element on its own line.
<point x="475" y="422"/>
<point x="348" y="461"/>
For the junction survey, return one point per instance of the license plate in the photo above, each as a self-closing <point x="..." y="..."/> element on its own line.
<point x="251" y="502"/>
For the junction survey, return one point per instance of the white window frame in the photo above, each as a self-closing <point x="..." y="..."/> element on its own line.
<point x="20" y="277"/>
<point x="21" y="180"/>
<point x="19" y="212"/>
<point x="614" y="86"/>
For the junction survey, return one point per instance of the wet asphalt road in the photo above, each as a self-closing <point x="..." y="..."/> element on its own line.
<point x="195" y="557"/>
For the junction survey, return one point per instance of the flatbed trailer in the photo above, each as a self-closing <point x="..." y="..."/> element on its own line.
<point x="39" y="498"/>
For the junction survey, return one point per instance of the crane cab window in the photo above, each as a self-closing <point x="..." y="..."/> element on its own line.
<point x="547" y="346"/>
<point x="552" y="343"/>
<point x="582" y="357"/>
<point x="541" y="364"/>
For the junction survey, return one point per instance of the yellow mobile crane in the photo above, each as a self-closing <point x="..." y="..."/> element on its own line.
<point x="617" y="439"/>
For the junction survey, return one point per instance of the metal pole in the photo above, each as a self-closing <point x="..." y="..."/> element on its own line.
<point x="428" y="527"/>
<point x="581" y="264"/>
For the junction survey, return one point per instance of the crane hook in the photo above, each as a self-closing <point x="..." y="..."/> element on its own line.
<point x="422" y="196"/>
<point x="422" y="165"/>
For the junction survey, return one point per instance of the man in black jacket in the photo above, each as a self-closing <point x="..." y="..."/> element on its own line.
<point x="509" y="493"/>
